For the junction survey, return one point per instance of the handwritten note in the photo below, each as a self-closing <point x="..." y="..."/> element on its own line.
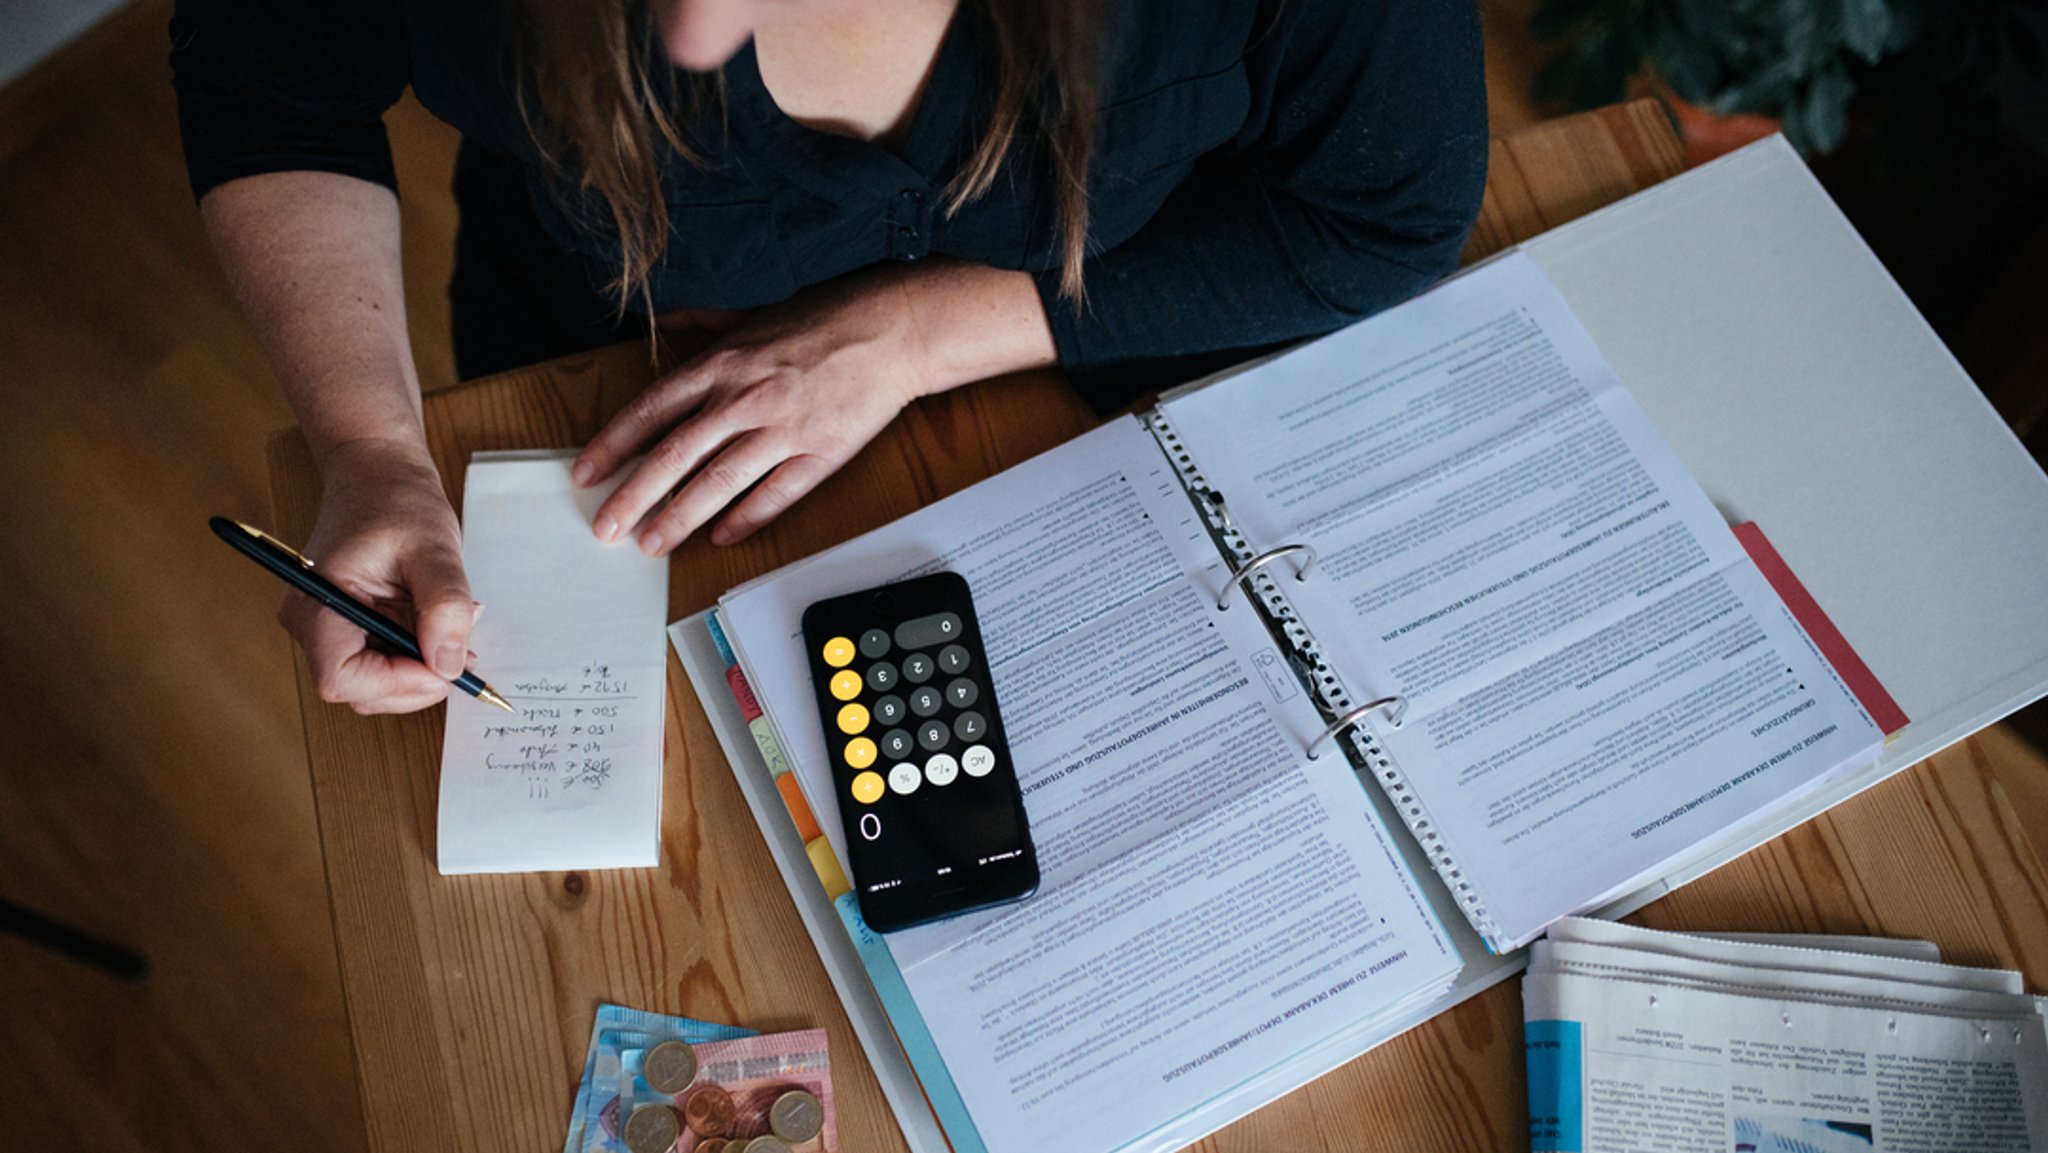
<point x="572" y="637"/>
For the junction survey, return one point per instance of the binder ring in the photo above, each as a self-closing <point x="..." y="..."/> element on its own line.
<point x="1396" y="708"/>
<point x="1260" y="561"/>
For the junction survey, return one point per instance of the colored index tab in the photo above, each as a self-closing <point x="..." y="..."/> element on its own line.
<point x="827" y="867"/>
<point x="742" y="693"/>
<point x="799" y="808"/>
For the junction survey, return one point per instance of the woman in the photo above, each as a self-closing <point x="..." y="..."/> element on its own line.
<point x="877" y="199"/>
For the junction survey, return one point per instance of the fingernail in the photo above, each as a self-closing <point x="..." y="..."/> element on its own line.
<point x="721" y="536"/>
<point x="607" y="528"/>
<point x="651" y="544"/>
<point x="583" y="473"/>
<point x="476" y="611"/>
<point x="448" y="660"/>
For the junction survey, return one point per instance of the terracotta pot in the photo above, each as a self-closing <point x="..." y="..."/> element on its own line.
<point x="1707" y="135"/>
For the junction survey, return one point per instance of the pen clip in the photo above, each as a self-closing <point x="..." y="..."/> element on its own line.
<point x="275" y="543"/>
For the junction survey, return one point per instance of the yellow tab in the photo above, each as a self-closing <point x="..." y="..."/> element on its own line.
<point x="845" y="685"/>
<point x="867" y="788"/>
<point x="839" y="652"/>
<point x="827" y="867"/>
<point x="853" y="718"/>
<point x="860" y="753"/>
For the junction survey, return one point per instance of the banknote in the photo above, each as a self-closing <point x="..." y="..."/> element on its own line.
<point x="615" y="1031"/>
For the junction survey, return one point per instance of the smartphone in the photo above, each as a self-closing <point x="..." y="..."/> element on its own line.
<point x="926" y="789"/>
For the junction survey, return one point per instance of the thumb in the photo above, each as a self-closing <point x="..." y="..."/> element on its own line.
<point x="442" y="609"/>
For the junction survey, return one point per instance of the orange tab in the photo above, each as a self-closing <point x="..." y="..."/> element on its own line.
<point x="799" y="809"/>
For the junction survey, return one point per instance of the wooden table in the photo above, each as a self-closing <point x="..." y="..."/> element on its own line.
<point x="470" y="998"/>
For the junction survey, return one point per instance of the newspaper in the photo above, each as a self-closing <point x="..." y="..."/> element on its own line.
<point x="1641" y="1040"/>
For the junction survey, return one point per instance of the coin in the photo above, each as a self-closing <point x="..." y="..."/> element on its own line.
<point x="796" y="1117"/>
<point x="708" y="1111"/>
<point x="713" y="1145"/>
<point x="652" y="1129"/>
<point x="766" y="1145"/>
<point x="670" y="1067"/>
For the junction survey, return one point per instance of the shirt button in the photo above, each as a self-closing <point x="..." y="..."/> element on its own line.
<point x="912" y="195"/>
<point x="908" y="233"/>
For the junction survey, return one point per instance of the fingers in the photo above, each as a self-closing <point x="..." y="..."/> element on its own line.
<point x="643" y="419"/>
<point x="658" y="473"/>
<point x="442" y="609"/>
<point x="346" y="671"/>
<point x="789" y="481"/>
<point x="716" y="485"/>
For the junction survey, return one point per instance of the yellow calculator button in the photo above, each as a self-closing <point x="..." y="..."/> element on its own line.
<point x="839" y="652"/>
<point x="860" y="753"/>
<point x="845" y="687"/>
<point x="853" y="718"/>
<point x="867" y="788"/>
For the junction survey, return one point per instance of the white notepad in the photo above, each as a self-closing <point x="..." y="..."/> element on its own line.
<point x="572" y="636"/>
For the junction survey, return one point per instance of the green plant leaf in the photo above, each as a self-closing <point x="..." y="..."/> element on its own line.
<point x="1824" y="114"/>
<point x="1867" y="28"/>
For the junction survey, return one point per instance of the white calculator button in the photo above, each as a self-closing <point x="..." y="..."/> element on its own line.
<point x="941" y="769"/>
<point x="905" y="778"/>
<point x="978" y="760"/>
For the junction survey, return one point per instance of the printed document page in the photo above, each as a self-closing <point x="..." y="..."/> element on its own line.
<point x="572" y="637"/>
<point x="1212" y="903"/>
<point x="1638" y="1039"/>
<point x="1598" y="679"/>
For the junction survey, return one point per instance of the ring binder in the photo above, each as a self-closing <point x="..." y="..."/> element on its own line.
<point x="1246" y="569"/>
<point x="1324" y="685"/>
<point x="1395" y="707"/>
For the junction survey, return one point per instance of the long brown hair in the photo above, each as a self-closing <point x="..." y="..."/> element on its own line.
<point x="601" y="115"/>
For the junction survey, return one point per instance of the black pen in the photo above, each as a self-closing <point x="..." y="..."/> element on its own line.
<point x="297" y="571"/>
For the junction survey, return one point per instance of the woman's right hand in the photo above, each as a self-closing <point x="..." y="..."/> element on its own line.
<point x="387" y="536"/>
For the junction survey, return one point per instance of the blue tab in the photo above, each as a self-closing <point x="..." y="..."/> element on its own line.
<point x="911" y="1032"/>
<point x="718" y="639"/>
<point x="1557" y="1103"/>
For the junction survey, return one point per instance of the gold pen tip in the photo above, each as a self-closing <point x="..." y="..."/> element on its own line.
<point x="489" y="696"/>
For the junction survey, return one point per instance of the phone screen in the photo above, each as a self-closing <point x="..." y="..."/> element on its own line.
<point x="927" y="793"/>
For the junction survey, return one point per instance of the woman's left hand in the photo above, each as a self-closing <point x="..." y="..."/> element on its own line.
<point x="794" y="390"/>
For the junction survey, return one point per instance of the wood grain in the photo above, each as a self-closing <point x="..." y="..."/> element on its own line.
<point x="470" y="998"/>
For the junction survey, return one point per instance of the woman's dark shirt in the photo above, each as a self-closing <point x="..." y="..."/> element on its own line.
<point x="1262" y="171"/>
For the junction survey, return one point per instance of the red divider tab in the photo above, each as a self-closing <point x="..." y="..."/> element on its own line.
<point x="1832" y="644"/>
<point x="742" y="693"/>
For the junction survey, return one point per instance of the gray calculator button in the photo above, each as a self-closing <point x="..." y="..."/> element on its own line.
<point x="882" y="677"/>
<point x="970" y="726"/>
<point x="924" y="632"/>
<point x="953" y="660"/>
<point x="897" y="744"/>
<point x="874" y="644"/>
<point x="889" y="710"/>
<point x="924" y="700"/>
<point x="962" y="692"/>
<point x="932" y="735"/>
<point x="918" y="668"/>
